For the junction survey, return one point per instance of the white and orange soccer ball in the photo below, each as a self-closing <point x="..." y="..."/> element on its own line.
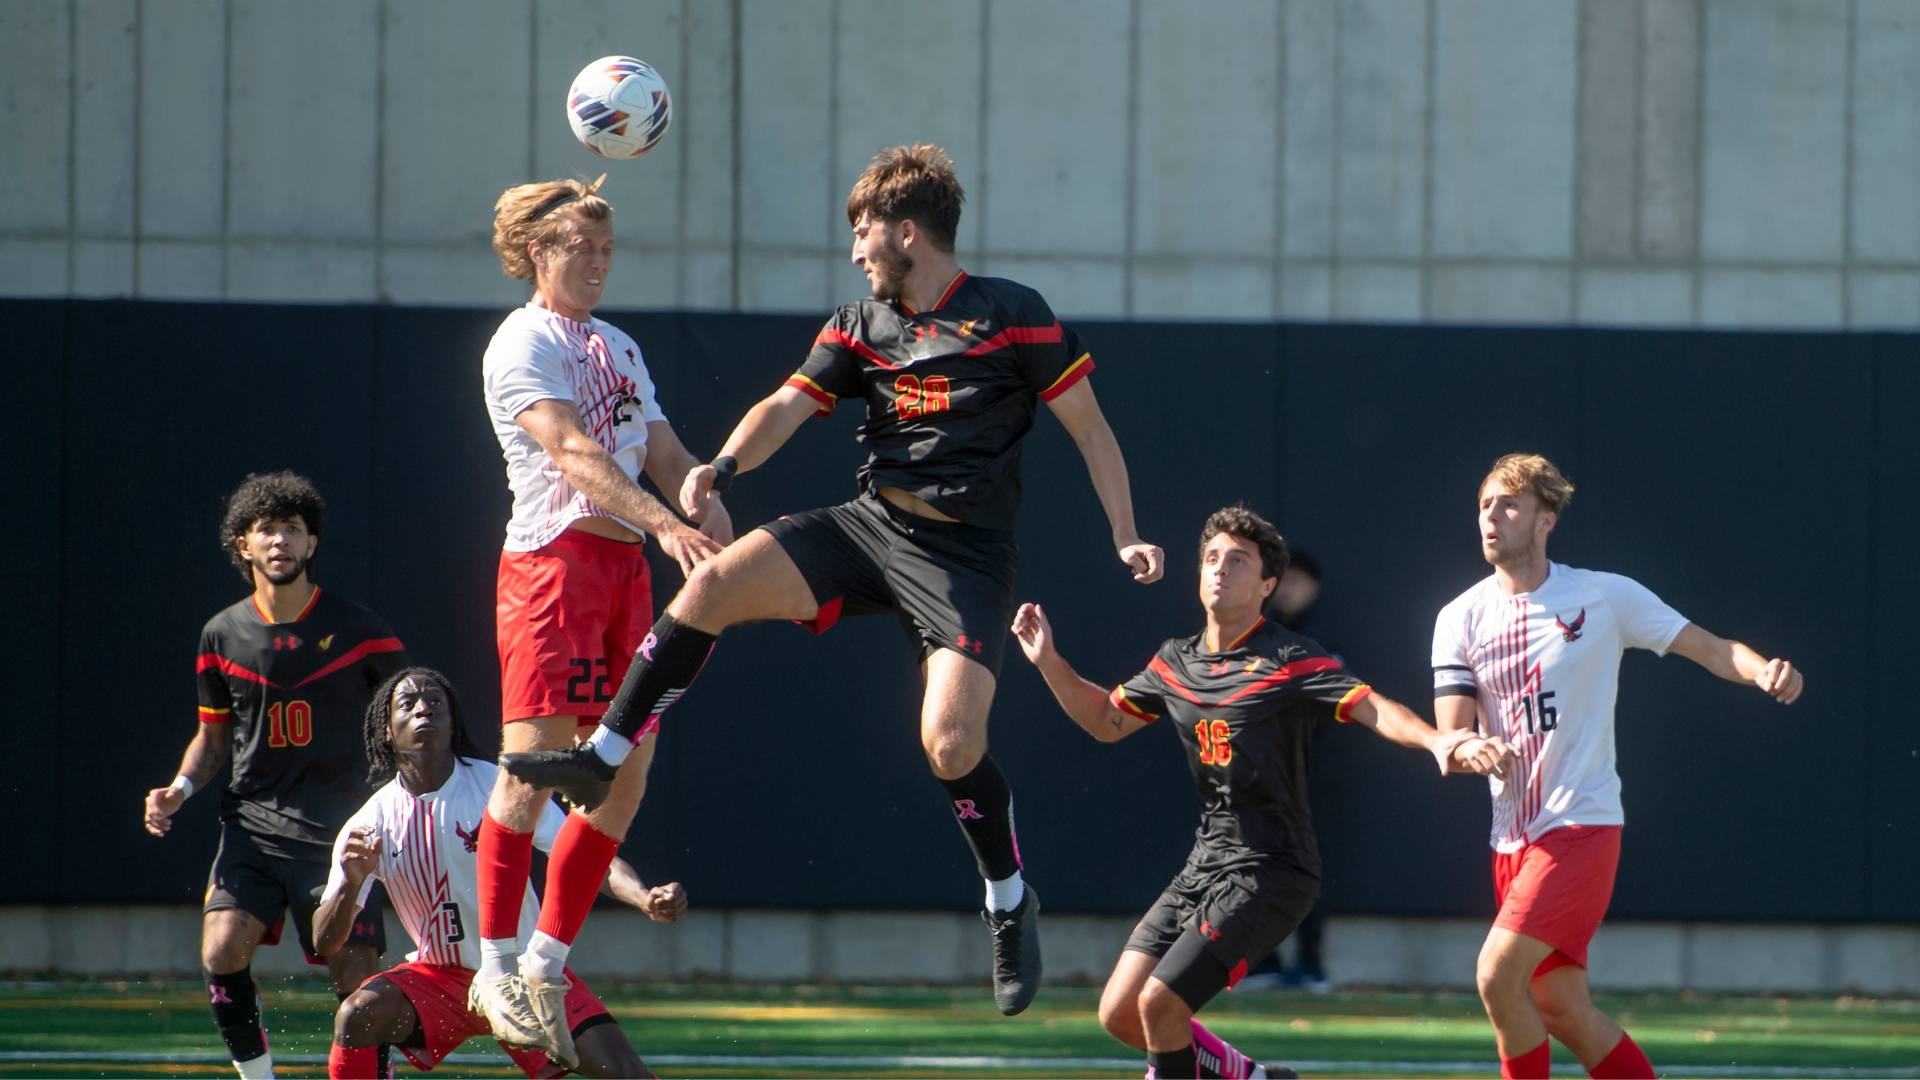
<point x="618" y="107"/>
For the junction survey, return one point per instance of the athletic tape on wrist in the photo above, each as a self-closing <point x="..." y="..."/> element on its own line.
<point x="723" y="469"/>
<point x="185" y="784"/>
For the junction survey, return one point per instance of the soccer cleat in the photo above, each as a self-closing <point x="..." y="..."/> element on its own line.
<point x="1275" y="1071"/>
<point x="578" y="772"/>
<point x="508" y="1010"/>
<point x="1016" y="954"/>
<point x="549" y="997"/>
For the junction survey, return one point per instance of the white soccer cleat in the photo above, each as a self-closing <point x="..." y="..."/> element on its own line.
<point x="508" y="1009"/>
<point x="549" y="1000"/>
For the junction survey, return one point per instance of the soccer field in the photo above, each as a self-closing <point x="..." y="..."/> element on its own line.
<point x="162" y="1029"/>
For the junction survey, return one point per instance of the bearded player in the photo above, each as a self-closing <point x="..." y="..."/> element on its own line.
<point x="952" y="370"/>
<point x="1244" y="696"/>
<point x="574" y="409"/>
<point x="284" y="677"/>
<point x="1531" y="655"/>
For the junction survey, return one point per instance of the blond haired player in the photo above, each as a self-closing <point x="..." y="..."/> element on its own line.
<point x="1532" y="654"/>
<point x="575" y="412"/>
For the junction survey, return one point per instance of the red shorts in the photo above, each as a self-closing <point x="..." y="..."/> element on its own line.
<point x="569" y="618"/>
<point x="438" y="993"/>
<point x="1557" y="889"/>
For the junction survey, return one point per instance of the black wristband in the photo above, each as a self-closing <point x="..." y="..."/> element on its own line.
<point x="723" y="469"/>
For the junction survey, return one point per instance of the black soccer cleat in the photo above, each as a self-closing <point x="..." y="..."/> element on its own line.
<point x="1279" y="1072"/>
<point x="1016" y="954"/>
<point x="577" y="772"/>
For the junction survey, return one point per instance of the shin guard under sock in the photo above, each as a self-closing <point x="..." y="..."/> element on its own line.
<point x="983" y="804"/>
<point x="236" y="1012"/>
<point x="670" y="656"/>
<point x="1535" y="1064"/>
<point x="1626" y="1061"/>
<point x="504" y="861"/>
<point x="1173" y="1063"/>
<point x="576" y="868"/>
<point x="354" y="1063"/>
<point x="1216" y="1057"/>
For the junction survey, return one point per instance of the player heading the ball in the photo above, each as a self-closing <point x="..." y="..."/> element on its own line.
<point x="1243" y="695"/>
<point x="1532" y="655"/>
<point x="952" y="370"/>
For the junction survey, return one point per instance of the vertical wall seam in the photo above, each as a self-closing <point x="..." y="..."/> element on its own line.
<point x="73" y="98"/>
<point x="380" y="155"/>
<point x="139" y="119"/>
<point x="1279" y="161"/>
<point x="1576" y="262"/>
<point x="1846" y="169"/>
<point x="1426" y="166"/>
<point x="1337" y="162"/>
<point x="1132" y="198"/>
<point x="1701" y="52"/>
<point x="985" y="108"/>
<point x="533" y="88"/>
<point x="1635" y="207"/>
<point x="733" y="301"/>
<point x="226" y="143"/>
<point x="684" y="166"/>
<point x="833" y="150"/>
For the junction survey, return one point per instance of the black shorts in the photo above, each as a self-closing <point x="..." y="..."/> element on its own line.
<point x="951" y="584"/>
<point x="265" y="886"/>
<point x="1242" y="915"/>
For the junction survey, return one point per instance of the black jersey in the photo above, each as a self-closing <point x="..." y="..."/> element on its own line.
<point x="1245" y="715"/>
<point x="296" y="694"/>
<point x="950" y="392"/>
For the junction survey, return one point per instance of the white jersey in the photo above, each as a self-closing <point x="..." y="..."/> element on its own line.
<point x="537" y="355"/>
<point x="427" y="845"/>
<point x="1545" y="667"/>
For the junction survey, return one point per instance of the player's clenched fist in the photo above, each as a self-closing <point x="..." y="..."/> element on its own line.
<point x="1485" y="756"/>
<point x="162" y="804"/>
<point x="1782" y="680"/>
<point x="1035" y="634"/>
<point x="361" y="855"/>
<point x="665" y="903"/>
<point x="1146" y="560"/>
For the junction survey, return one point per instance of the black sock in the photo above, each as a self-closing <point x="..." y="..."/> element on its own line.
<point x="983" y="804"/>
<point x="383" y="1066"/>
<point x="669" y="658"/>
<point x="1174" y="1063"/>
<point x="236" y="1012"/>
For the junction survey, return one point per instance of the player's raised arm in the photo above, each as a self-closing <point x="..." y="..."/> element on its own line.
<point x="357" y="856"/>
<point x="205" y="756"/>
<point x="662" y="903"/>
<point x="1735" y="662"/>
<point x="1086" y="702"/>
<point x="668" y="463"/>
<point x="1456" y="749"/>
<point x="765" y="429"/>
<point x="1079" y="412"/>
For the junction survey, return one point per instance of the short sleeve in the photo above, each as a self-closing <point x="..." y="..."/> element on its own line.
<point x="832" y="367"/>
<point x="522" y="370"/>
<point x="216" y="697"/>
<point x="1646" y="622"/>
<point x="1331" y="687"/>
<point x="650" y="411"/>
<point x="1452" y="674"/>
<point x="1049" y="355"/>
<point x="548" y="827"/>
<point x="336" y="877"/>
<point x="1142" y="697"/>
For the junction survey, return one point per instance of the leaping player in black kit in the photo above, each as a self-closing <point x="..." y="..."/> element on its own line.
<point x="284" y="676"/>
<point x="951" y="369"/>
<point x="1243" y="695"/>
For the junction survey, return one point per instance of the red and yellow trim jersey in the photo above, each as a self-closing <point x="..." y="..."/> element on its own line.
<point x="296" y="694"/>
<point x="950" y="392"/>
<point x="1245" y="716"/>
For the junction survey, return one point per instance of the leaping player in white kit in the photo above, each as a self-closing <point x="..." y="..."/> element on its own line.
<point x="418" y="835"/>
<point x="1533" y="654"/>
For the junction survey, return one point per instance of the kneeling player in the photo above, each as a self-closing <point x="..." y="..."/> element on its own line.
<point x="1244" y="695"/>
<point x="417" y="834"/>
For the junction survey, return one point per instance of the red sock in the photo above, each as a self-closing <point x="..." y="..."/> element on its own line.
<point x="357" y="1063"/>
<point x="505" y="861"/>
<point x="576" y="867"/>
<point x="1535" y="1064"/>
<point x="1626" y="1061"/>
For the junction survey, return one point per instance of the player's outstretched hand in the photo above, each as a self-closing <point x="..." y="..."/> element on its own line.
<point x="1483" y="756"/>
<point x="696" y="489"/>
<point x="1782" y="680"/>
<point x="666" y="903"/>
<point x="1147" y="561"/>
<point x="162" y="804"/>
<point x="717" y="525"/>
<point x="361" y="855"/>
<point x="688" y="548"/>
<point x="1035" y="634"/>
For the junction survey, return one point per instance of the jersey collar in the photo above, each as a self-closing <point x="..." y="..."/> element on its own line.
<point x="267" y="616"/>
<point x="952" y="287"/>
<point x="1235" y="643"/>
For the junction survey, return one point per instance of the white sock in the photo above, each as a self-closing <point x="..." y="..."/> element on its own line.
<point x="612" y="746"/>
<point x="1005" y="895"/>
<point x="499" y="957"/>
<point x="260" y="1068"/>
<point x="547" y="956"/>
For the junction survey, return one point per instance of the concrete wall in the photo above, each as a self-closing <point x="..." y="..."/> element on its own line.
<point x="942" y="947"/>
<point x="1747" y="163"/>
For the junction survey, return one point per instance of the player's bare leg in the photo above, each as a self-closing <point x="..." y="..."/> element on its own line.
<point x="1120" y="1001"/>
<point x="1505" y="977"/>
<point x="228" y="939"/>
<point x="376" y="1014"/>
<point x="1138" y="1009"/>
<point x="351" y="966"/>
<point x="1602" y="1046"/>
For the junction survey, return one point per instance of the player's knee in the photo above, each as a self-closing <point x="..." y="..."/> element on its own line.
<point x="1491" y="979"/>
<point x="1159" y="1004"/>
<point x="224" y="954"/>
<point x="952" y="757"/>
<point x="355" y="1020"/>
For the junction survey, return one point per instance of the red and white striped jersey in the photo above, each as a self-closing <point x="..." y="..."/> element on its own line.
<point x="537" y="355"/>
<point x="1545" y="667"/>
<point x="427" y="845"/>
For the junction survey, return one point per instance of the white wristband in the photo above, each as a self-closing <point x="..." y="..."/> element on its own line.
<point x="185" y="785"/>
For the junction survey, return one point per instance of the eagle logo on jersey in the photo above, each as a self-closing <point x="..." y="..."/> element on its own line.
<point x="1571" y="632"/>
<point x="325" y="643"/>
<point x="471" y="838"/>
<point x="966" y="328"/>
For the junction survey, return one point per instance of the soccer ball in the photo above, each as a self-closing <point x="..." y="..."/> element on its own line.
<point x="618" y="107"/>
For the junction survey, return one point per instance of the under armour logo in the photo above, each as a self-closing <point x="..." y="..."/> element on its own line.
<point x="287" y="642"/>
<point x="1218" y="667"/>
<point x="976" y="644"/>
<point x="963" y="809"/>
<point x="1207" y="931"/>
<point x="219" y="994"/>
<point x="922" y="333"/>
<point x="646" y="645"/>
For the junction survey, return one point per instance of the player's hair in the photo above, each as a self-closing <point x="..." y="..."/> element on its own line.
<point x="1241" y="523"/>
<point x="381" y="763"/>
<point x="280" y="496"/>
<point x="540" y="211"/>
<point x="911" y="182"/>
<point x="1531" y="472"/>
